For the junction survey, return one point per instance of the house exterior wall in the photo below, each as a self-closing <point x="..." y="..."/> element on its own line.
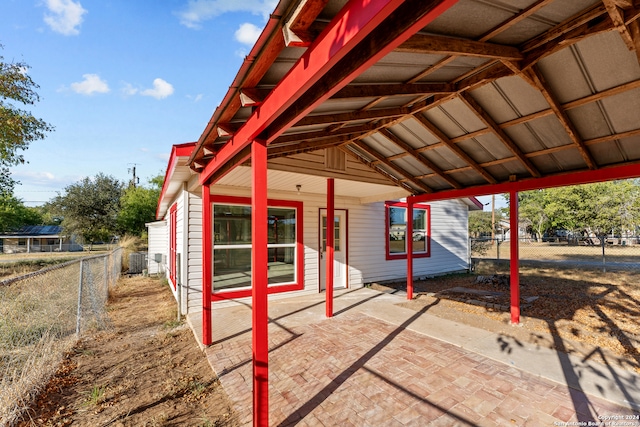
<point x="158" y="243"/>
<point x="192" y="300"/>
<point x="366" y="238"/>
<point x="366" y="234"/>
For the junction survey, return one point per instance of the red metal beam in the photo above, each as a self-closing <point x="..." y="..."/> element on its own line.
<point x="514" y="262"/>
<point x="330" y="246"/>
<point x="409" y="243"/>
<point x="207" y="273"/>
<point x="259" y="282"/>
<point x="571" y="178"/>
<point x="356" y="20"/>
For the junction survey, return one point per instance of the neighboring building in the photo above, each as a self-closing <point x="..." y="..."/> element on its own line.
<point x="37" y="238"/>
<point x="370" y="222"/>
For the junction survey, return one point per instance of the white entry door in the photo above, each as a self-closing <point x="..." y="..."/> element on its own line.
<point x="340" y="248"/>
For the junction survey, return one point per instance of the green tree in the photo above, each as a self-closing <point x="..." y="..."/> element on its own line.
<point x="138" y="207"/>
<point x="479" y="224"/>
<point x="594" y="209"/>
<point x="18" y="127"/>
<point x="90" y="207"/>
<point x="14" y="214"/>
<point x="532" y="211"/>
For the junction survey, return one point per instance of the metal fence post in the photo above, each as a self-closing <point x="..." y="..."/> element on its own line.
<point x="106" y="276"/>
<point x="604" y="259"/>
<point x="79" y="314"/>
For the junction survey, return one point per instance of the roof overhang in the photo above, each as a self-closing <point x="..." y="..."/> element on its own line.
<point x="443" y="98"/>
<point x="177" y="173"/>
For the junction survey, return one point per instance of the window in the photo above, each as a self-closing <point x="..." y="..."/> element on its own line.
<point x="396" y="238"/>
<point x="232" y="246"/>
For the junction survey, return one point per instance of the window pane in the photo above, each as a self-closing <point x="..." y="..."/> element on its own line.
<point x="282" y="225"/>
<point x="281" y="265"/>
<point x="231" y="269"/>
<point x="419" y="230"/>
<point x="231" y="224"/>
<point x="336" y="233"/>
<point x="397" y="229"/>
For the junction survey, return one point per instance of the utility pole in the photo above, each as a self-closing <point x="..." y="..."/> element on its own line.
<point x="135" y="179"/>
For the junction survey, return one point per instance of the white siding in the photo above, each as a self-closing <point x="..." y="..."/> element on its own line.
<point x="366" y="239"/>
<point x="193" y="284"/>
<point x="158" y="241"/>
<point x="367" y="233"/>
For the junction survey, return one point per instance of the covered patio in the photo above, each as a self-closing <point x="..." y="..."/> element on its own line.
<point x="376" y="363"/>
<point x="443" y="99"/>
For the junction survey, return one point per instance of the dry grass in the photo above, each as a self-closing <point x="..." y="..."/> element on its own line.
<point x="578" y="310"/>
<point x="38" y="320"/>
<point x="146" y="370"/>
<point x="129" y="244"/>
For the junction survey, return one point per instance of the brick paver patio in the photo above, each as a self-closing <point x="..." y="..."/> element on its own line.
<point x="357" y="370"/>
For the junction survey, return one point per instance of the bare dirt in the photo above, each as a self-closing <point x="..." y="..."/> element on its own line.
<point x="579" y="311"/>
<point x="147" y="370"/>
<point x="144" y="370"/>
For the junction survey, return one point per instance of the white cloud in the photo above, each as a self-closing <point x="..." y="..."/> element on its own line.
<point x="129" y="90"/>
<point x="65" y="16"/>
<point x="198" y="11"/>
<point x="248" y="34"/>
<point x="91" y="84"/>
<point x="161" y="89"/>
<point x="43" y="178"/>
<point x="196" y="98"/>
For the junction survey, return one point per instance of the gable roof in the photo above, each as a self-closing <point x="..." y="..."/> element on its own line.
<point x="440" y="96"/>
<point x="174" y="177"/>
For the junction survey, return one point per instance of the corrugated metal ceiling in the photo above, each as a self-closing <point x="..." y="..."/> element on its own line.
<point x="536" y="88"/>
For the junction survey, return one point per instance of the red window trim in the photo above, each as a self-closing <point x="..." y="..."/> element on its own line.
<point x="173" y="243"/>
<point x="272" y="289"/>
<point x="390" y="256"/>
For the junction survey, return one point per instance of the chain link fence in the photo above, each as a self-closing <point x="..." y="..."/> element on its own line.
<point x="608" y="252"/>
<point x="42" y="315"/>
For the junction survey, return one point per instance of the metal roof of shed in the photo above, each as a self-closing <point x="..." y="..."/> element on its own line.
<point x="34" y="231"/>
<point x="488" y="92"/>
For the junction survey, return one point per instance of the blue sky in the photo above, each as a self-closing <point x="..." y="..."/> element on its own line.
<point x="122" y="80"/>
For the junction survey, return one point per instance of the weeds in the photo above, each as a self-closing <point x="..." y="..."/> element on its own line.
<point x="38" y="325"/>
<point x="96" y="395"/>
<point x="172" y="324"/>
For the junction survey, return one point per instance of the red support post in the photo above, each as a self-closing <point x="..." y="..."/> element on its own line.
<point x="259" y="282"/>
<point x="409" y="243"/>
<point x="515" y="258"/>
<point x="330" y="245"/>
<point x="207" y="273"/>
